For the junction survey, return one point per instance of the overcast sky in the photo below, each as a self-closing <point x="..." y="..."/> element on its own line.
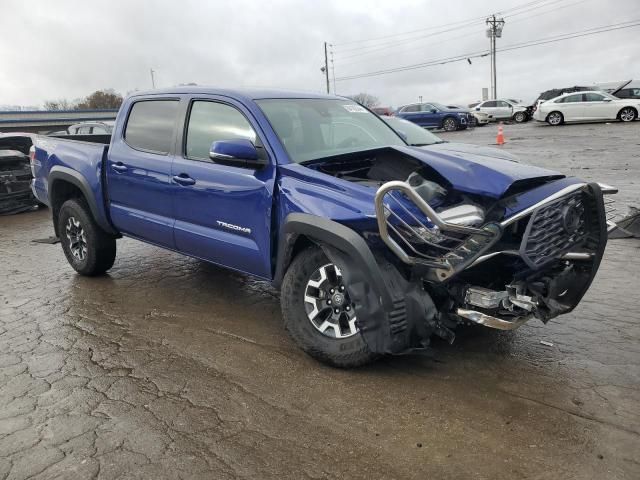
<point x="68" y="48"/>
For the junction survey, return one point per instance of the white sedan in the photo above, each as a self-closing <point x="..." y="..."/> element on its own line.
<point x="503" y="110"/>
<point x="587" y="107"/>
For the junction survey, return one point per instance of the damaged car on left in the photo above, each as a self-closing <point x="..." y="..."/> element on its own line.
<point x="15" y="174"/>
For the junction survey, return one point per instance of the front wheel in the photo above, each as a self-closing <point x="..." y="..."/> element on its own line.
<point x="88" y="248"/>
<point x="318" y="313"/>
<point x="449" y="124"/>
<point x="519" y="117"/>
<point x="627" y="114"/>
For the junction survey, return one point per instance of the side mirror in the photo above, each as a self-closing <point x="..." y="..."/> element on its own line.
<point x="239" y="152"/>
<point x="477" y="109"/>
<point x="607" y="100"/>
<point x="434" y="110"/>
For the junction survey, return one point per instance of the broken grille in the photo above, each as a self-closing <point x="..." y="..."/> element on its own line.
<point x="553" y="230"/>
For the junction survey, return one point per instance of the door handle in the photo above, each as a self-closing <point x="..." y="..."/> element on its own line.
<point x="183" y="179"/>
<point x="119" y="167"/>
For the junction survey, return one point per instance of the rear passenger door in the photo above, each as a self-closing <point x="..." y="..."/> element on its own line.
<point x="138" y="171"/>
<point x="223" y="214"/>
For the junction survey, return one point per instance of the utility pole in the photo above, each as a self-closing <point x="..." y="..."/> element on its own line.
<point x="420" y="98"/>
<point x="326" y="66"/>
<point x="333" y="70"/>
<point x="494" y="31"/>
<point x="153" y="80"/>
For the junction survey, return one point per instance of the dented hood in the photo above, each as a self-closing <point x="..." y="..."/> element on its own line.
<point x="478" y="173"/>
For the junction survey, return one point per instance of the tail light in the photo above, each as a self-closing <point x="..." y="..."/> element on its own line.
<point x="32" y="160"/>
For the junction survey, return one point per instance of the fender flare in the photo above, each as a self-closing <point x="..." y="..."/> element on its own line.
<point x="394" y="315"/>
<point x="328" y="233"/>
<point x="66" y="174"/>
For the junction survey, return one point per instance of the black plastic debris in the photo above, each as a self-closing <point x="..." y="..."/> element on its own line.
<point x="15" y="183"/>
<point x="629" y="226"/>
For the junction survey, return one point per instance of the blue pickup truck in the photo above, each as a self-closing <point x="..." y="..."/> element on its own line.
<point x="376" y="246"/>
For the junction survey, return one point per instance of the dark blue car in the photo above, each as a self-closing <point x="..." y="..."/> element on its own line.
<point x="436" y="115"/>
<point x="374" y="244"/>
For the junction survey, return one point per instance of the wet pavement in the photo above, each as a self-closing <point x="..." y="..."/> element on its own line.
<point x="172" y="368"/>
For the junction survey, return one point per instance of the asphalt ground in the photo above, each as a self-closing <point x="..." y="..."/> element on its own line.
<point x="171" y="368"/>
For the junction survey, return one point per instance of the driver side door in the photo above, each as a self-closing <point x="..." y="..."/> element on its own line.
<point x="222" y="212"/>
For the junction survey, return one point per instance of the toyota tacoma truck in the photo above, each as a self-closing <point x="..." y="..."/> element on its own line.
<point x="376" y="246"/>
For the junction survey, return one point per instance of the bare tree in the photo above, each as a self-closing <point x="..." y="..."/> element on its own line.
<point x="60" y="104"/>
<point x="365" y="100"/>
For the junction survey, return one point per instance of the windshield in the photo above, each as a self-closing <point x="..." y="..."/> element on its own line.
<point x="415" y="135"/>
<point x="316" y="128"/>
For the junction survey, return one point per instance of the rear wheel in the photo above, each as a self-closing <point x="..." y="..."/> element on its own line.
<point x="627" y="114"/>
<point x="88" y="248"/>
<point x="555" y="118"/>
<point x="318" y="313"/>
<point x="449" y="124"/>
<point x="519" y="117"/>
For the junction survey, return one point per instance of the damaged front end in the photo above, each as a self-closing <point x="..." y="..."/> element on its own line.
<point x="463" y="241"/>
<point x="537" y="263"/>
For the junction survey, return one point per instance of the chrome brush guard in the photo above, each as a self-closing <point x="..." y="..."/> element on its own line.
<point x="444" y="248"/>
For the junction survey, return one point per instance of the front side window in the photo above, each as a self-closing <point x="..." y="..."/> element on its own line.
<point x="503" y="104"/>
<point x="151" y="125"/>
<point x="315" y="128"/>
<point x="427" y="107"/>
<point x="490" y="104"/>
<point x="212" y="121"/>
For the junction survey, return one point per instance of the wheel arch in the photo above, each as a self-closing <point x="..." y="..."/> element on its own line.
<point x="64" y="184"/>
<point x="301" y="230"/>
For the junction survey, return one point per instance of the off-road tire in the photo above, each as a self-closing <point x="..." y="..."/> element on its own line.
<point x="338" y="352"/>
<point x="520" y="117"/>
<point x="551" y="119"/>
<point x="627" y="114"/>
<point x="100" y="246"/>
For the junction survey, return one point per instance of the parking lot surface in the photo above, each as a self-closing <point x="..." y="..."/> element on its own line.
<point x="172" y="368"/>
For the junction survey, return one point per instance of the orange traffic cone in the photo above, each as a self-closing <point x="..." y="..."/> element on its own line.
<point x="500" y="137"/>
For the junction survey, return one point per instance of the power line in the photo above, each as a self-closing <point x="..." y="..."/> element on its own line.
<point x="431" y="44"/>
<point x="529" y="5"/>
<point x="484" y="53"/>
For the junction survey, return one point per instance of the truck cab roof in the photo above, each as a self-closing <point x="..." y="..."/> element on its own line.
<point x="241" y="93"/>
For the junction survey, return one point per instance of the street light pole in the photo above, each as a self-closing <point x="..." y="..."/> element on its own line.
<point x="326" y="66"/>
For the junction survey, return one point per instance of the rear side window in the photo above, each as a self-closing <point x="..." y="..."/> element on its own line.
<point x="411" y="109"/>
<point x="212" y="121"/>
<point x="151" y="125"/>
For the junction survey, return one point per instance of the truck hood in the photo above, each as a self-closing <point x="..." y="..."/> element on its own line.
<point x="468" y="149"/>
<point x="478" y="171"/>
